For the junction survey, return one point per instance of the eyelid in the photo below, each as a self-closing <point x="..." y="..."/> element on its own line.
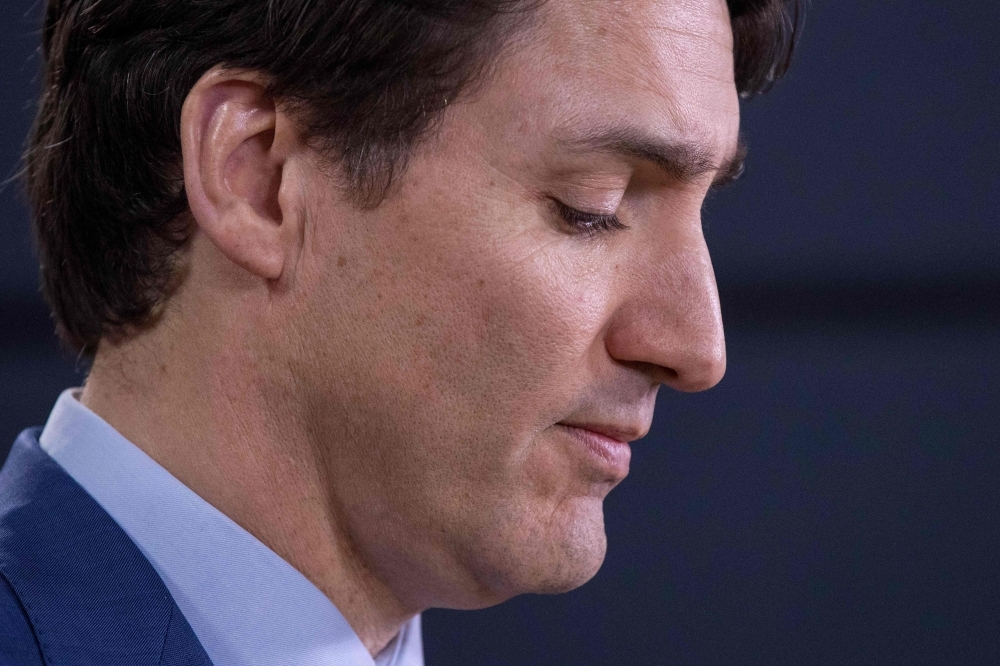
<point x="586" y="222"/>
<point x="583" y="210"/>
<point x="600" y="194"/>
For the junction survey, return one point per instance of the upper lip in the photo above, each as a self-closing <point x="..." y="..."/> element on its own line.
<point x="619" y="433"/>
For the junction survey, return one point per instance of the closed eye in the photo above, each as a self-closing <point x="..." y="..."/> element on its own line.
<point x="589" y="223"/>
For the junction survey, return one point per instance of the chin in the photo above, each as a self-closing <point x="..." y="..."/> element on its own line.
<point x="554" y="555"/>
<point x="579" y="547"/>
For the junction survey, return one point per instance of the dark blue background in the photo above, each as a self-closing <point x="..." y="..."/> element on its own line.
<point x="836" y="500"/>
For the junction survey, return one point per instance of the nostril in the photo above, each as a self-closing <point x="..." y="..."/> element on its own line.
<point x="657" y="373"/>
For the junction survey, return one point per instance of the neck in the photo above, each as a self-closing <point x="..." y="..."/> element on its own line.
<point x="214" y="415"/>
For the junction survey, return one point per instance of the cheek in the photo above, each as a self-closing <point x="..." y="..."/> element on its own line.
<point x="488" y="333"/>
<point x="518" y="327"/>
<point x="520" y="353"/>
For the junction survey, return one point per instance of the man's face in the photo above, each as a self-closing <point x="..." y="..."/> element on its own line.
<point x="473" y="349"/>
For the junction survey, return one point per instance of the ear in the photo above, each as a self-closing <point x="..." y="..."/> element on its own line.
<point x="235" y="146"/>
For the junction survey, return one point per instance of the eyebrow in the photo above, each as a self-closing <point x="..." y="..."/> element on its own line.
<point x="686" y="161"/>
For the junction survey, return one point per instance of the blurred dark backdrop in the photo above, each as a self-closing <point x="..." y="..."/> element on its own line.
<point x="836" y="500"/>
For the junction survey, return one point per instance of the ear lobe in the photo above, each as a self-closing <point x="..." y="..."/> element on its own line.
<point x="232" y="145"/>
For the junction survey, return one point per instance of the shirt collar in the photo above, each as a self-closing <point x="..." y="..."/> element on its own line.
<point x="246" y="605"/>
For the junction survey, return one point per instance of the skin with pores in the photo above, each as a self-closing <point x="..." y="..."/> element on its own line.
<point x="421" y="404"/>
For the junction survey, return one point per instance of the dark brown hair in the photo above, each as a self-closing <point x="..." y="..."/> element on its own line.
<point x="368" y="77"/>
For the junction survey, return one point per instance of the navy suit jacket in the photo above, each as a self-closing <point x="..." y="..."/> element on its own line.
<point x="74" y="588"/>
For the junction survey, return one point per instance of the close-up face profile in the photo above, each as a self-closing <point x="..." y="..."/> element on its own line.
<point x="478" y="349"/>
<point x="371" y="300"/>
<point x="337" y="329"/>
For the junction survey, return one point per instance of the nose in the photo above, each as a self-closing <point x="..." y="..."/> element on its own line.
<point x="669" y="321"/>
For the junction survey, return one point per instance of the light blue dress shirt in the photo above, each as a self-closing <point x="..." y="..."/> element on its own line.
<point x="246" y="605"/>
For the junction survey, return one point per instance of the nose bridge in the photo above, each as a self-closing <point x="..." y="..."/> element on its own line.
<point x="670" y="316"/>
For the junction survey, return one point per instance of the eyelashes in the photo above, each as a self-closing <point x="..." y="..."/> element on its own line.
<point x="589" y="223"/>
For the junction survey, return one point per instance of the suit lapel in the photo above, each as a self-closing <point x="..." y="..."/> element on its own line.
<point x="90" y="594"/>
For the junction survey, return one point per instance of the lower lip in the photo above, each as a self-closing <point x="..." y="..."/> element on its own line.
<point x="611" y="455"/>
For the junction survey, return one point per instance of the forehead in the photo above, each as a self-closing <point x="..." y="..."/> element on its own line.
<point x="663" y="65"/>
